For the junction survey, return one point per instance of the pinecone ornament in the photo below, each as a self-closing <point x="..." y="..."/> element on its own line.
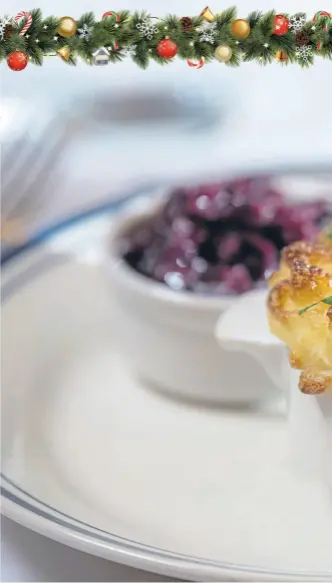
<point x="9" y="30"/>
<point x="186" y="23"/>
<point x="302" y="38"/>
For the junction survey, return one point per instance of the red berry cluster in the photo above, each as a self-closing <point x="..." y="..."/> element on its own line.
<point x="222" y="238"/>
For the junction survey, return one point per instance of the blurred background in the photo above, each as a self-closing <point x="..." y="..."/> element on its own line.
<point x="75" y="137"/>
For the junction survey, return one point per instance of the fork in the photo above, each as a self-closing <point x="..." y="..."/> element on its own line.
<point x="25" y="169"/>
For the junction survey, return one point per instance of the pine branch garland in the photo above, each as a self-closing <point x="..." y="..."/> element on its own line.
<point x="125" y="36"/>
<point x="226" y="18"/>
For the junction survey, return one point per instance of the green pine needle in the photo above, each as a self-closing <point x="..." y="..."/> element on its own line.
<point x="226" y="18"/>
<point x="254" y="18"/>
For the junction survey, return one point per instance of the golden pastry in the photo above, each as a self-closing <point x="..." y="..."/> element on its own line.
<point x="300" y="310"/>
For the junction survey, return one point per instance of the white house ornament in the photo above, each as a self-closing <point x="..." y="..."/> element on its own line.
<point x="101" y="57"/>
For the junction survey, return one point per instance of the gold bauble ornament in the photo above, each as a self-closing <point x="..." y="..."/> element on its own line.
<point x="64" y="53"/>
<point x="67" y="26"/>
<point x="281" y="56"/>
<point x="207" y="14"/>
<point x="223" y="53"/>
<point x="240" y="29"/>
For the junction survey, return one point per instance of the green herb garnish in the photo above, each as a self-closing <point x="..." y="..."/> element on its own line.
<point x="327" y="300"/>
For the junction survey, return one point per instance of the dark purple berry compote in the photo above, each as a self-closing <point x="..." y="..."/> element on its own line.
<point x="221" y="239"/>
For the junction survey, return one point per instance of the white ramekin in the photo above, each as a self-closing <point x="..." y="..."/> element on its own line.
<point x="167" y="337"/>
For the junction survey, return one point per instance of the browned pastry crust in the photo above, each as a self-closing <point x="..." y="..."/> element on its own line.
<point x="314" y="382"/>
<point x="302" y="253"/>
<point x="304" y="278"/>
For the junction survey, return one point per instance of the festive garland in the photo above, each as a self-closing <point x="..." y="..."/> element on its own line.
<point x="201" y="39"/>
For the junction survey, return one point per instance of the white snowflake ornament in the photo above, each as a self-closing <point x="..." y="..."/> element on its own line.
<point x="3" y="23"/>
<point x="85" y="31"/>
<point x="146" y="28"/>
<point x="129" y="51"/>
<point x="304" y="53"/>
<point x="207" y="32"/>
<point x="296" y="23"/>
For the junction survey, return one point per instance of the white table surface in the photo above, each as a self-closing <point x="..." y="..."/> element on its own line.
<point x="282" y="115"/>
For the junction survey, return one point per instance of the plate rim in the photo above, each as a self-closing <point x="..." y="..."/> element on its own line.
<point x="105" y="544"/>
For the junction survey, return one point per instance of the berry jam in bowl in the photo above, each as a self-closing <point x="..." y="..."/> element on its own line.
<point x="175" y="267"/>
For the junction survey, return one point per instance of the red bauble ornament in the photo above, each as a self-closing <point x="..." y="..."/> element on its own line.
<point x="17" y="61"/>
<point x="281" y="25"/>
<point x="167" y="49"/>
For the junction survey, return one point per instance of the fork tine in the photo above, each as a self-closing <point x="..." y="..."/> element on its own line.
<point x="19" y="180"/>
<point x="13" y="160"/>
<point x="18" y="165"/>
<point x="11" y="152"/>
<point x="21" y="164"/>
<point x="31" y="197"/>
<point x="25" y="187"/>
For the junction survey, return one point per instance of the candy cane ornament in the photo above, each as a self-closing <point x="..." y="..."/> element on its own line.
<point x="115" y="17"/>
<point x="26" y="15"/>
<point x="327" y="19"/>
<point x="197" y="64"/>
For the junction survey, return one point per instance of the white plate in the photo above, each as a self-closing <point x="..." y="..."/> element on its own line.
<point x="97" y="461"/>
